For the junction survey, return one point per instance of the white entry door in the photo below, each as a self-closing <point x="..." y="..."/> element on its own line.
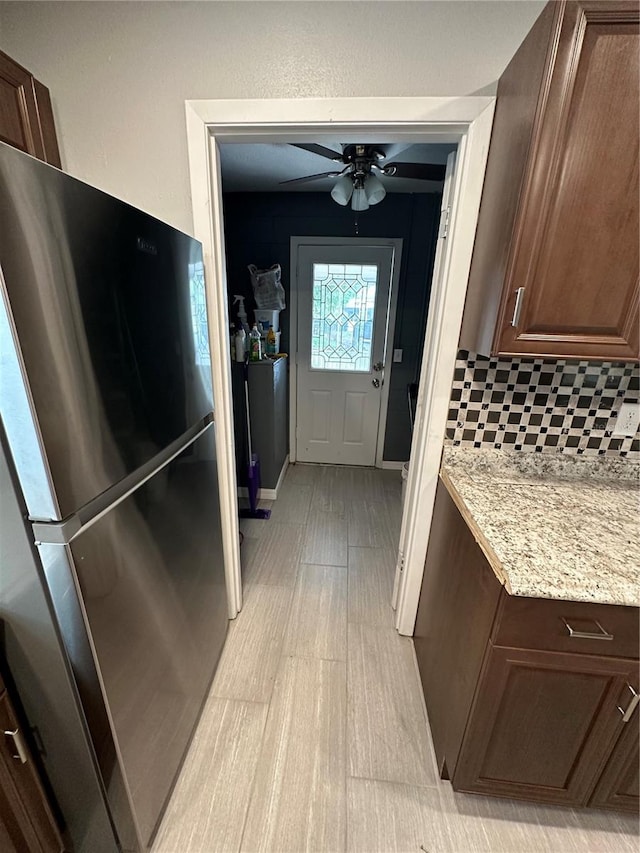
<point x="343" y="308"/>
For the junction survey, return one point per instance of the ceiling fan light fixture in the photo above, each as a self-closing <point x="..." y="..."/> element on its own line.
<point x="359" y="199"/>
<point x="374" y="188"/>
<point x="342" y="190"/>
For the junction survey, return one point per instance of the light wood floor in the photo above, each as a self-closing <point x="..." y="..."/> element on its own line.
<point x="314" y="736"/>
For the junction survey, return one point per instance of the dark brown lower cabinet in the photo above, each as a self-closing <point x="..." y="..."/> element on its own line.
<point x="450" y="653"/>
<point x="26" y="822"/>
<point x="619" y="785"/>
<point x="528" y="698"/>
<point x="543" y="725"/>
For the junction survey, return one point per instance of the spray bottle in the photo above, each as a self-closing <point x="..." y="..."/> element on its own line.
<point x="242" y="332"/>
<point x="242" y="314"/>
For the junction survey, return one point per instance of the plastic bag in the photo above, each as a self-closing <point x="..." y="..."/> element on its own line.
<point x="267" y="287"/>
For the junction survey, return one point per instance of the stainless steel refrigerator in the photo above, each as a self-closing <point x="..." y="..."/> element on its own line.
<point x="107" y="407"/>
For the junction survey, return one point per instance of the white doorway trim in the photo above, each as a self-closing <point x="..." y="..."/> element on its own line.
<point x="394" y="243"/>
<point x="466" y="121"/>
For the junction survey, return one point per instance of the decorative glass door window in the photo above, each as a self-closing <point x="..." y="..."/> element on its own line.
<point x="342" y="321"/>
<point x="199" y="314"/>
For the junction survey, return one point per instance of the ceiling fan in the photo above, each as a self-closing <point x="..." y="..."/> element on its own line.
<point x="359" y="179"/>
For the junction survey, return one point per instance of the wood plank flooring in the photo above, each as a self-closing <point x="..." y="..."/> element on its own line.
<point x="314" y="736"/>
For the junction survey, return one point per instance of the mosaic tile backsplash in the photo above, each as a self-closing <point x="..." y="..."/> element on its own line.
<point x="541" y="406"/>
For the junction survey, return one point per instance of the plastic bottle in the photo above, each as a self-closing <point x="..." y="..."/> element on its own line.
<point x="255" y="344"/>
<point x="271" y="341"/>
<point x="241" y="341"/>
<point x="242" y="314"/>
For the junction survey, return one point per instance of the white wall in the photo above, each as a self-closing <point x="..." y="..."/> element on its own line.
<point x="119" y="73"/>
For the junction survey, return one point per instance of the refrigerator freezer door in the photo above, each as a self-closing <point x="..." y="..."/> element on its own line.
<point x="107" y="361"/>
<point x="150" y="577"/>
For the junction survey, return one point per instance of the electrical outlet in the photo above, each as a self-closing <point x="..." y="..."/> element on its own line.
<point x="628" y="419"/>
<point x="397" y="356"/>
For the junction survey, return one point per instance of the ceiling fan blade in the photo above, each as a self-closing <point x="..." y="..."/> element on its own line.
<point x="418" y="171"/>
<point x="311" y="178"/>
<point x="392" y="149"/>
<point x="318" y="149"/>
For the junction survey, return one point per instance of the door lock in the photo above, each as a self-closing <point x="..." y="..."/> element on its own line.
<point x="378" y="366"/>
<point x="375" y="382"/>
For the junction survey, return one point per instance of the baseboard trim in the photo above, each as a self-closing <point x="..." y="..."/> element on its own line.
<point x="285" y="465"/>
<point x="267" y="494"/>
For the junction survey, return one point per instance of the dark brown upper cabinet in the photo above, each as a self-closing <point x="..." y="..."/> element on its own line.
<point x="555" y="264"/>
<point x="26" y="116"/>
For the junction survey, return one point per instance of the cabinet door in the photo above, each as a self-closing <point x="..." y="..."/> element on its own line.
<point x="572" y="278"/>
<point x="542" y="725"/>
<point x="26" y="116"/>
<point x="619" y="785"/>
<point x="26" y="822"/>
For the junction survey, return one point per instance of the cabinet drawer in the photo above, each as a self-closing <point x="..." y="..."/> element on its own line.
<point x="567" y="626"/>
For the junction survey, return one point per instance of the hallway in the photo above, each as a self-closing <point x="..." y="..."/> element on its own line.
<point x="314" y="736"/>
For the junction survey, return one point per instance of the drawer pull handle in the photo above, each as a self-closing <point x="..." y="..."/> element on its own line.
<point x="635" y="698"/>
<point x="16" y="737"/>
<point x="600" y="634"/>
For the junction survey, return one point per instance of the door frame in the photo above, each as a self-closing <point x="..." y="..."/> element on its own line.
<point x="466" y="121"/>
<point x="394" y="243"/>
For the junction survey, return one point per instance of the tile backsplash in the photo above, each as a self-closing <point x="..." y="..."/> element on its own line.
<point x="541" y="406"/>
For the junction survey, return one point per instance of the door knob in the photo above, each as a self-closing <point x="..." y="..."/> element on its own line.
<point x="378" y="366"/>
<point x="375" y="383"/>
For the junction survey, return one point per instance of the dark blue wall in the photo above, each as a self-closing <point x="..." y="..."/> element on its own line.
<point x="258" y="229"/>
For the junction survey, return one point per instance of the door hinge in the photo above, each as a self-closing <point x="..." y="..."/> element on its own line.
<point x="400" y="562"/>
<point x="444" y="222"/>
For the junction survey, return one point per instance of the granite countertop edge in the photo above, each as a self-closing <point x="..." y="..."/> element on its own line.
<point x="475" y="529"/>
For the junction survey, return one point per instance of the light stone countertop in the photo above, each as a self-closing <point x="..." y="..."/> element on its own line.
<point x="552" y="526"/>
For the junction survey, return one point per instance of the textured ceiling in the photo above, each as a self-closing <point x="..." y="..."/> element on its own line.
<point x="262" y="167"/>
